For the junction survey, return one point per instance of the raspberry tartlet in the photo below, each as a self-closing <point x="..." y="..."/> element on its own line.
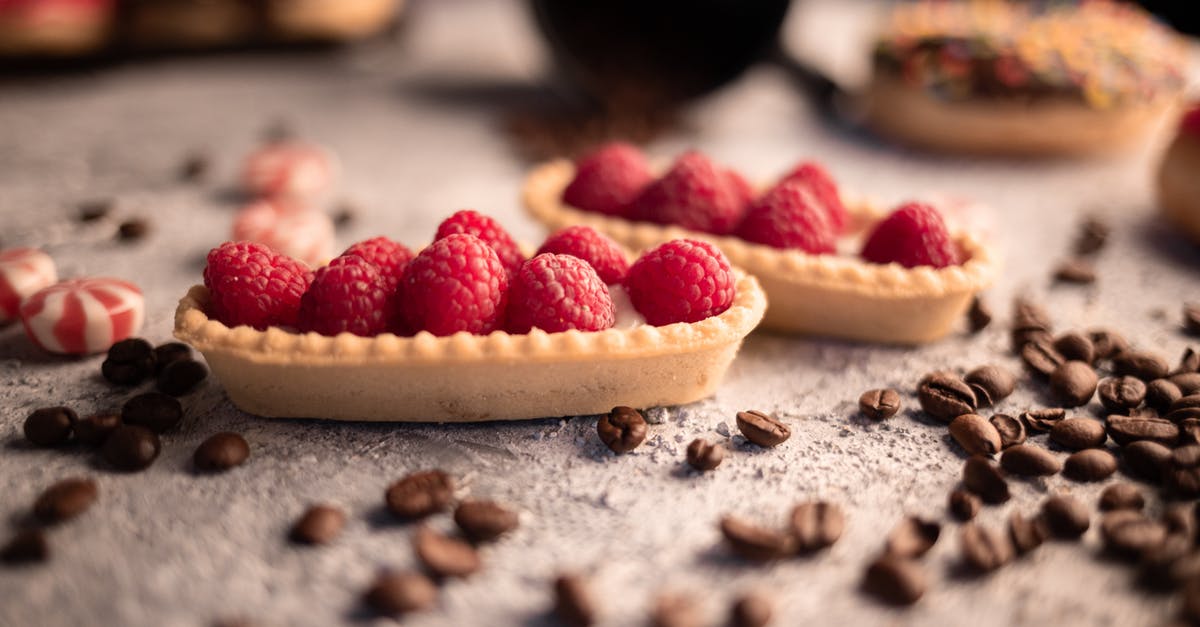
<point x="1178" y="185"/>
<point x="913" y="281"/>
<point x="469" y="329"/>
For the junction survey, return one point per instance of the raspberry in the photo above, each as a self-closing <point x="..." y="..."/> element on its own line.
<point x="824" y="189"/>
<point x="608" y="180"/>
<point x="680" y="281"/>
<point x="789" y="216"/>
<point x="455" y="284"/>
<point x="557" y="293"/>
<point x="347" y="295"/>
<point x="251" y="284"/>
<point x="488" y="230"/>
<point x="588" y="244"/>
<point x="388" y="257"/>
<point x="1191" y="121"/>
<point x="695" y="194"/>
<point x="913" y="235"/>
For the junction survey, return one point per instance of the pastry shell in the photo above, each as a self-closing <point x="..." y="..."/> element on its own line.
<point x="469" y="378"/>
<point x="829" y="295"/>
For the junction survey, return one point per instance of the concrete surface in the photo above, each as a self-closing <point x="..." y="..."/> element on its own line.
<point x="416" y="125"/>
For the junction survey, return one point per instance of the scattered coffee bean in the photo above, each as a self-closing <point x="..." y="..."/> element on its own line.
<point x="50" y="426"/>
<point x="1065" y="516"/>
<point x="1011" y="430"/>
<point x="195" y="167"/>
<point x="1130" y="534"/>
<point x="1141" y="412"/>
<point x="128" y="362"/>
<point x="1187" y="382"/>
<point x="1119" y="394"/>
<point x="1041" y="357"/>
<point x="1189" y="431"/>
<point x="394" y="594"/>
<point x="1107" y="343"/>
<point x="1180" y="520"/>
<point x="756" y="543"/>
<point x="1126" y="429"/>
<point x="94" y="430"/>
<point x="573" y="605"/>
<point x="979" y="316"/>
<point x="704" y="455"/>
<point x="169" y="353"/>
<point x="675" y="610"/>
<point x="484" y="521"/>
<point x="122" y="373"/>
<point x="1079" y="433"/>
<point x="1074" y="383"/>
<point x="1161" y="394"/>
<point x="1025" y="534"/>
<point x="1143" y="365"/>
<point x="983" y="549"/>
<point x="153" y="410"/>
<point x="1147" y="460"/>
<point x="975" y="434"/>
<point x="1121" y="496"/>
<point x="131" y="448"/>
<point x="963" y="504"/>
<point x="1184" y="408"/>
<point x="320" y="524"/>
<point x="879" y="404"/>
<point x="1030" y="315"/>
<point x="26" y="547"/>
<point x="133" y="230"/>
<point x="1093" y="464"/>
<point x="1092" y="235"/>
<point x="1170" y="564"/>
<point x="816" y="525"/>
<point x="945" y="396"/>
<point x="1184" y="476"/>
<point x="912" y="537"/>
<point x="622" y="430"/>
<point x="895" y="580"/>
<point x="752" y="609"/>
<point x="1191" y="318"/>
<point x="991" y="384"/>
<point x="221" y="452"/>
<point x="1075" y="346"/>
<point x="65" y="500"/>
<point x="420" y="494"/>
<point x="1043" y="420"/>
<point x="1076" y="271"/>
<point x="1188" y="362"/>
<point x="445" y="556"/>
<point x="1021" y="337"/>
<point x="181" y="376"/>
<point x="93" y="210"/>
<point x="762" y="429"/>
<point x="1030" y="461"/>
<point x="984" y="478"/>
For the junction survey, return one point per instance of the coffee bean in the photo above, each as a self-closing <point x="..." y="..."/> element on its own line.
<point x="622" y="430"/>
<point x="1092" y="235"/>
<point x="153" y="410"/>
<point x="983" y="478"/>
<point x="320" y="524"/>
<point x="991" y="384"/>
<point x="1141" y="412"/>
<point x="1161" y="394"/>
<point x="945" y="396"/>
<point x="131" y="448"/>
<point x="1170" y="564"/>
<point x="1025" y="534"/>
<point x="50" y="426"/>
<point x="1021" y="337"/>
<point x="895" y="580"/>
<point x="1126" y="429"/>
<point x="1147" y="460"/>
<point x="1184" y="408"/>
<point x="675" y="610"/>
<point x="979" y="315"/>
<point x="752" y="609"/>
<point x="1065" y="516"/>
<point x="122" y="373"/>
<point x="445" y="556"/>
<point x="1191" y="318"/>
<point x="816" y="525"/>
<point x="1030" y="315"/>
<point x="1076" y="271"/>
<point x="1118" y="394"/>
<point x="1075" y="346"/>
<point x="1184" y="476"/>
<point x="1079" y="433"/>
<point x="1143" y="365"/>
<point x="1043" y="420"/>
<point x="1188" y="362"/>
<point x="1187" y="382"/>
<point x="573" y="605"/>
<point x="1011" y="430"/>
<point x="221" y="452"/>
<point x="181" y="376"/>
<point x="484" y="521"/>
<point x="394" y="594"/>
<point x="1107" y="343"/>
<point x="1041" y="357"/>
<point x="1191" y="602"/>
<point x="963" y="504"/>
<point x="1074" y="383"/>
<point x="1180" y="520"/>
<point x="1129" y="534"/>
<point x="93" y="210"/>
<point x="704" y="455"/>
<point x="65" y="500"/>
<point x="756" y="543"/>
<point x="420" y="494"/>
<point x="195" y="167"/>
<point x="1189" y="431"/>
<point x="133" y="230"/>
<point x="94" y="430"/>
<point x="169" y="353"/>
<point x="879" y="404"/>
<point x="1093" y="464"/>
<point x="1121" y="496"/>
<point x="26" y="547"/>
<point x="762" y="429"/>
<point x="128" y="362"/>
<point x="983" y="549"/>
<point x="975" y="434"/>
<point x="1030" y="461"/>
<point x="912" y="537"/>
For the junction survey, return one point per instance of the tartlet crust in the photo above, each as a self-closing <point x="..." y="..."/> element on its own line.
<point x="1179" y="185"/>
<point x="334" y="21"/>
<point x="829" y="295"/>
<point x="464" y="377"/>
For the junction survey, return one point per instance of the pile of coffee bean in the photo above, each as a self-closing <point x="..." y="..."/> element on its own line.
<point x="624" y="429"/>
<point x="131" y="361"/>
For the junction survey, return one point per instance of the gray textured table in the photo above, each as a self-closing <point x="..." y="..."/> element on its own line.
<point x="416" y="126"/>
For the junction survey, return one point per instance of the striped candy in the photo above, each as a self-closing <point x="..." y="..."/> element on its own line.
<point x="23" y="271"/>
<point x="288" y="169"/>
<point x="82" y="316"/>
<point x="296" y="231"/>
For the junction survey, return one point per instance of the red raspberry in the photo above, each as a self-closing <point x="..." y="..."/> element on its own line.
<point x="822" y="186"/>
<point x="251" y="284"/>
<point x="594" y="247"/>
<point x="1191" y="121"/>
<point x="789" y="216"/>
<point x="608" y="179"/>
<point x="488" y="230"/>
<point x="680" y="281"/>
<point x="695" y="194"/>
<point x="455" y="284"/>
<point x="557" y="293"/>
<point x="914" y="235"/>
<point x="348" y="295"/>
<point x="388" y="257"/>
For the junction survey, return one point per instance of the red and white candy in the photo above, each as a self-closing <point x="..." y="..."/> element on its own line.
<point x="296" y="231"/>
<point x="23" y="271"/>
<point x="81" y="316"/>
<point x="289" y="169"/>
